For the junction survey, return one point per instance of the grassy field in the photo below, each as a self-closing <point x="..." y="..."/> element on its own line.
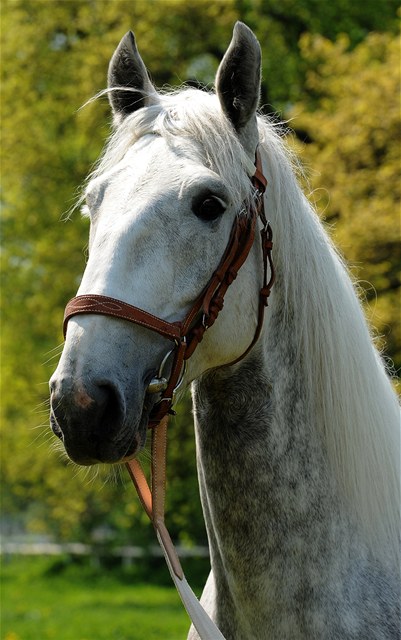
<point x="44" y="599"/>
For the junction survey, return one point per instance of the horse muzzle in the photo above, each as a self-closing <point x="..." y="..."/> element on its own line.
<point x="91" y="419"/>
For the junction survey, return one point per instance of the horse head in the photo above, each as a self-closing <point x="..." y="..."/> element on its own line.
<point x="162" y="203"/>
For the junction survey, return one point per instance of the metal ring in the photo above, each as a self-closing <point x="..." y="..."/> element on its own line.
<point x="163" y="363"/>
<point x="181" y="378"/>
<point x="159" y="383"/>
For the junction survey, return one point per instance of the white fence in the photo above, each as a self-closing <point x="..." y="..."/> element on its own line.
<point x="126" y="553"/>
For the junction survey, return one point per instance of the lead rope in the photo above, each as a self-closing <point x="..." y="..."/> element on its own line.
<point x="153" y="501"/>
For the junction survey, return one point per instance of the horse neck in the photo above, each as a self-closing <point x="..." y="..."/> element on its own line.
<point x="276" y="517"/>
<point x="261" y="459"/>
<point x="266" y="494"/>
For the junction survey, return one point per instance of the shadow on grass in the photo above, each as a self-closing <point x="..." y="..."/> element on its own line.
<point x="146" y="570"/>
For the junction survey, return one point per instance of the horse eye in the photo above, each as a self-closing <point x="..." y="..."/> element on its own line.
<point x="209" y="209"/>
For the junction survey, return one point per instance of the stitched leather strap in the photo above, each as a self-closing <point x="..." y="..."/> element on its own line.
<point x="103" y="305"/>
<point x="267" y="245"/>
<point x="153" y="502"/>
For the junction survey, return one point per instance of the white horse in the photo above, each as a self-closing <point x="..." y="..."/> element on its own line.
<point x="298" y="443"/>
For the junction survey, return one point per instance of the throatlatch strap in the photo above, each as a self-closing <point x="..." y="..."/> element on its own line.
<point x="153" y="502"/>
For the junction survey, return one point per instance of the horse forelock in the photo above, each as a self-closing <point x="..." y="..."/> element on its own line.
<point x="193" y="122"/>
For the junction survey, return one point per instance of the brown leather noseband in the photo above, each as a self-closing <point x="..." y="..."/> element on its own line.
<point x="188" y="333"/>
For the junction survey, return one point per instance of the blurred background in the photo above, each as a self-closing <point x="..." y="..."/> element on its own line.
<point x="331" y="70"/>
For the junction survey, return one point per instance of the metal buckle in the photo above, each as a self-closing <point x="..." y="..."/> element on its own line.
<point x="159" y="383"/>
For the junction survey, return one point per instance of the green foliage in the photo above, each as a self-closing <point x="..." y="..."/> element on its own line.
<point x="279" y="25"/>
<point x="55" y="56"/>
<point x="352" y="118"/>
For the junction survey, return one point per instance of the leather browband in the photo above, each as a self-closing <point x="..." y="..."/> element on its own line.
<point x="187" y="334"/>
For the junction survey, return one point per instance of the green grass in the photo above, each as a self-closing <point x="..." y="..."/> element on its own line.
<point x="45" y="599"/>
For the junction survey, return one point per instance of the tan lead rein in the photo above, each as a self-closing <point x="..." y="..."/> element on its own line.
<point x="153" y="501"/>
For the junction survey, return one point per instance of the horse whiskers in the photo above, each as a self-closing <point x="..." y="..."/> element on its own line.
<point x="58" y="348"/>
<point x="115" y="474"/>
<point x="145" y="455"/>
<point x="57" y="447"/>
<point x="44" y="438"/>
<point x="43" y="426"/>
<point x="43" y="403"/>
<point x="53" y="357"/>
<point x="89" y="474"/>
<point x="40" y="412"/>
<point x="79" y="471"/>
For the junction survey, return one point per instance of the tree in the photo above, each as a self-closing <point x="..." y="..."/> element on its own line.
<point x="280" y="24"/>
<point x="352" y="118"/>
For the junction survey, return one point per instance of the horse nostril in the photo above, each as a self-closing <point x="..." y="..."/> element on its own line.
<point x="99" y="405"/>
<point x="83" y="400"/>
<point x="95" y="398"/>
<point x="88" y="416"/>
<point x="111" y="406"/>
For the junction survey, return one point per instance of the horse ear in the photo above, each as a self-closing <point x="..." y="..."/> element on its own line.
<point x="126" y="69"/>
<point x="238" y="78"/>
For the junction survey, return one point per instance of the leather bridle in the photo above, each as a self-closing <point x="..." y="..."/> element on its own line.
<point x="186" y="335"/>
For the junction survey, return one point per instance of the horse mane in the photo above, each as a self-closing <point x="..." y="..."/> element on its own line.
<point x="347" y="389"/>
